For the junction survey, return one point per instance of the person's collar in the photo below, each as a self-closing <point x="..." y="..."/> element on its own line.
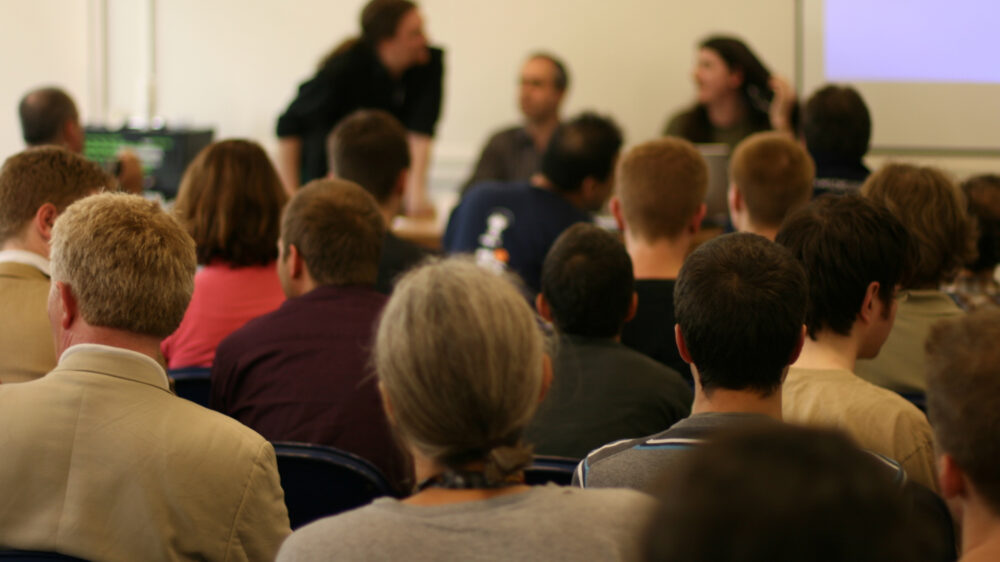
<point x="158" y="379"/>
<point x="27" y="258"/>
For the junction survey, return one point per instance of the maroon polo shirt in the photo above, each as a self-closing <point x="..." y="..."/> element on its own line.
<point x="301" y="373"/>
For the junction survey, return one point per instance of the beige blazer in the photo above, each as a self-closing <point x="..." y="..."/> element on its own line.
<point x="27" y="350"/>
<point x="99" y="460"/>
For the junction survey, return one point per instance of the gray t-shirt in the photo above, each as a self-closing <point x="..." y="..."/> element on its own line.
<point x="544" y="523"/>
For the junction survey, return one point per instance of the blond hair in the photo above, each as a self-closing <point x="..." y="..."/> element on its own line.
<point x="661" y="185"/>
<point x="46" y="174"/>
<point x="774" y="174"/>
<point x="933" y="209"/>
<point x="129" y="263"/>
<point x="459" y="355"/>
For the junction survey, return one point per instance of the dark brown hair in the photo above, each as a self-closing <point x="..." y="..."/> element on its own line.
<point x="369" y="147"/>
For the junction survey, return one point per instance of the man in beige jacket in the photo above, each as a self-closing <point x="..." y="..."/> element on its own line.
<point x="100" y="460"/>
<point x="35" y="186"/>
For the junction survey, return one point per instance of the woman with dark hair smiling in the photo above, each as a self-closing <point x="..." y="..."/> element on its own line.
<point x="736" y="96"/>
<point x="461" y="367"/>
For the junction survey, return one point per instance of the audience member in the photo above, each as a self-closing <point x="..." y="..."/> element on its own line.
<point x="230" y="202"/>
<point x="513" y="225"/>
<point x="462" y="414"/>
<point x="741" y="301"/>
<point x="737" y="96"/>
<point x="855" y="253"/>
<point x="976" y="286"/>
<point x="300" y="373"/>
<point x="659" y="204"/>
<point x="963" y="387"/>
<point x="35" y="186"/>
<point x="390" y="67"/>
<point x="837" y="129"/>
<point x="933" y="210"/>
<point x="513" y="154"/>
<point x="780" y="494"/>
<point x="770" y="176"/>
<point x="369" y="148"/>
<point x="100" y="460"/>
<point x="603" y="391"/>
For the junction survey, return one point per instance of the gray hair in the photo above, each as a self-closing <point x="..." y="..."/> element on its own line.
<point x="459" y="355"/>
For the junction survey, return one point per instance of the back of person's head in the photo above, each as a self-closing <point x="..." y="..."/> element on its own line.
<point x="46" y="174"/>
<point x="963" y="389"/>
<point x="740" y="301"/>
<point x="44" y="112"/>
<point x="836" y="125"/>
<point x="983" y="195"/>
<point x="380" y="19"/>
<point x="845" y="243"/>
<point x="661" y="185"/>
<point x="587" y="282"/>
<point x="338" y="230"/>
<point x="779" y="494"/>
<point x="230" y="201"/>
<point x="774" y="176"/>
<point x="369" y="148"/>
<point x="584" y="147"/>
<point x="459" y="356"/>
<point x="129" y="264"/>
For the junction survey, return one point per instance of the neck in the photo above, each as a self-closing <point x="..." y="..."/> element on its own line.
<point x="85" y="333"/>
<point x="980" y="532"/>
<point x="574" y="198"/>
<point x="394" y="67"/>
<point x="658" y="259"/>
<point x="828" y="351"/>
<point x="424" y="467"/>
<point x="27" y="244"/>
<point x="541" y="130"/>
<point x="726" y="111"/>
<point x="723" y="400"/>
<point x="768" y="232"/>
<point x="390" y="210"/>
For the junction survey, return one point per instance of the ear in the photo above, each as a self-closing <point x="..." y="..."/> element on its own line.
<point x="735" y="78"/>
<point x="67" y="311"/>
<point x="633" y="307"/>
<point x="386" y="404"/>
<point x="73" y="135"/>
<point x="695" y="225"/>
<point x="296" y="265"/>
<point x="798" y="346"/>
<point x="681" y="344"/>
<point x="588" y="188"/>
<point x="45" y="217"/>
<point x="615" y="206"/>
<point x="547" y="376"/>
<point x="400" y="187"/>
<point x="951" y="478"/>
<point x="543" y="308"/>
<point x="735" y="199"/>
<point x="867" y="312"/>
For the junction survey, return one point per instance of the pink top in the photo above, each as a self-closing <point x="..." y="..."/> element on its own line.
<point x="224" y="299"/>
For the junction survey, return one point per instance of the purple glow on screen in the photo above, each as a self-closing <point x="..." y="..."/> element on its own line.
<point x="912" y="40"/>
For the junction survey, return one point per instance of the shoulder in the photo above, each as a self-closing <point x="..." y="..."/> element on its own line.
<point x="353" y="535"/>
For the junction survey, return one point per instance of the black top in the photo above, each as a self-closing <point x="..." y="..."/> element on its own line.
<point x="601" y="392"/>
<point x="353" y="80"/>
<point x="838" y="177"/>
<point x="509" y="155"/>
<point x="398" y="255"/>
<point x="651" y="332"/>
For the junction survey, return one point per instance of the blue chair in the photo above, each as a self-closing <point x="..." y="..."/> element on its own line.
<point x="193" y="383"/>
<point x="545" y="469"/>
<point x="918" y="399"/>
<point x="320" y="481"/>
<point x="35" y="556"/>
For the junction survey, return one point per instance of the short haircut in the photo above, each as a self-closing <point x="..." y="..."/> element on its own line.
<point x="43" y="114"/>
<point x="983" y="194"/>
<point x="588" y="282"/>
<point x="585" y="147"/>
<point x="230" y="201"/>
<point x="779" y="493"/>
<point x="845" y="243"/>
<point x="933" y="210"/>
<point x="380" y="19"/>
<point x="740" y="301"/>
<point x="560" y="78"/>
<point x="963" y="387"/>
<point x="661" y="185"/>
<point x="129" y="264"/>
<point x="338" y="229"/>
<point x="45" y="174"/>
<point x="459" y="355"/>
<point x="836" y="124"/>
<point x="774" y="174"/>
<point x="369" y="148"/>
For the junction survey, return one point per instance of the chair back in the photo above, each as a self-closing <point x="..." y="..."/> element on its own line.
<point x="320" y="481"/>
<point x="36" y="556"/>
<point x="193" y="383"/>
<point x="545" y="469"/>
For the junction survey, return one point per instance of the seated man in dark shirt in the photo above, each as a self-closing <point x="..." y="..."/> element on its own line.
<point x="741" y="304"/>
<point x="659" y="203"/>
<point x="512" y="226"/>
<point x="301" y="372"/>
<point x="837" y="129"/>
<point x="369" y="148"/>
<point x="602" y="391"/>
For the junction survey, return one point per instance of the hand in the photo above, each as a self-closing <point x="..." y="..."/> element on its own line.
<point x="782" y="104"/>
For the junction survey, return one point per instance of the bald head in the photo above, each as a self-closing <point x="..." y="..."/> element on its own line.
<point x="49" y="116"/>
